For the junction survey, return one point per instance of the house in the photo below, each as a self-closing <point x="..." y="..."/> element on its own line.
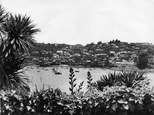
<point x="59" y="52"/>
<point x="112" y="53"/>
<point x="101" y="56"/>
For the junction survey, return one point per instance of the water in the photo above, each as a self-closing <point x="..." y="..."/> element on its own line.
<point x="151" y="77"/>
<point x="45" y="76"/>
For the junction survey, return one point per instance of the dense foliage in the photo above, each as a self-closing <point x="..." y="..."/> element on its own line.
<point x="129" y="79"/>
<point x="16" y="38"/>
<point x="111" y="101"/>
<point x="143" y="61"/>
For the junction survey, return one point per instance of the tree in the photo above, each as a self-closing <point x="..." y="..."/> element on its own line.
<point x="20" y="31"/>
<point x="16" y="38"/>
<point x="150" y="51"/>
<point x="107" y="63"/>
<point x="142" y="61"/>
<point x="99" y="43"/>
<point x="90" y="46"/>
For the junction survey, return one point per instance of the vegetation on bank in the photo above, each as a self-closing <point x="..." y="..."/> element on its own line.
<point x="113" y="101"/>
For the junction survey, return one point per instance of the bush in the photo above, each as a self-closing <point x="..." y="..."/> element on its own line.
<point x="108" y="80"/>
<point x="143" y="61"/>
<point x="129" y="79"/>
<point x="114" y="100"/>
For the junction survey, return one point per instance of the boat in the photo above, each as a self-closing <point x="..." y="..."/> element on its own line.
<point x="76" y="71"/>
<point x="53" y="69"/>
<point x="58" y="73"/>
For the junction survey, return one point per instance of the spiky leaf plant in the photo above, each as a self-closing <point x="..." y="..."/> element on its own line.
<point x="108" y="80"/>
<point x="89" y="78"/>
<point x="16" y="38"/>
<point x="80" y="86"/>
<point x="3" y="15"/>
<point x="129" y="79"/>
<point x="72" y="81"/>
<point x="12" y="76"/>
<point x="133" y="79"/>
<point x="20" y="31"/>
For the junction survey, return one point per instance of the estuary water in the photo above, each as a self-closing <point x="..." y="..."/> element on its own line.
<point x="45" y="76"/>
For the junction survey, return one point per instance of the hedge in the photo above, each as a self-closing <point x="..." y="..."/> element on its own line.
<point x="115" y="100"/>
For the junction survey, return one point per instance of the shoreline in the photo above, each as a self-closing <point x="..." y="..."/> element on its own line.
<point x="127" y="68"/>
<point x="146" y="70"/>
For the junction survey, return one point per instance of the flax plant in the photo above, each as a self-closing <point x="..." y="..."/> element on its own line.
<point x="16" y="38"/>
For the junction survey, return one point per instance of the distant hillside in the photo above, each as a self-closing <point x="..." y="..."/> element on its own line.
<point x="49" y="47"/>
<point x="114" y="45"/>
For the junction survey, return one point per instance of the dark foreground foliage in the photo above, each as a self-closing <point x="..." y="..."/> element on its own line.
<point x="118" y="100"/>
<point x="16" y="40"/>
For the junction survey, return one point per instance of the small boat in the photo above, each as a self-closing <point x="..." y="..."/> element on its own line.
<point x="76" y="71"/>
<point x="58" y="73"/>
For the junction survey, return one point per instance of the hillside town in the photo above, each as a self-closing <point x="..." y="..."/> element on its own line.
<point x="101" y="54"/>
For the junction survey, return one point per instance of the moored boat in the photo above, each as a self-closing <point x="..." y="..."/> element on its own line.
<point x="58" y="73"/>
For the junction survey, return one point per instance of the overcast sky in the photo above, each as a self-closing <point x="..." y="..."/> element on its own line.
<point x="86" y="21"/>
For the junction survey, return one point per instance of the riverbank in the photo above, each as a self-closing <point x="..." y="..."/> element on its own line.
<point x="131" y="68"/>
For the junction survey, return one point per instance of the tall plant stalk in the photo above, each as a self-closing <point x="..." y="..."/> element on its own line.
<point x="72" y="81"/>
<point x="89" y="78"/>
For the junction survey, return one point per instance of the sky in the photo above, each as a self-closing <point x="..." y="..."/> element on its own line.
<point x="87" y="21"/>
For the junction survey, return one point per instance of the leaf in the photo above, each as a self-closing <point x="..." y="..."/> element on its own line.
<point x="122" y="101"/>
<point x="114" y="106"/>
<point x="126" y="107"/>
<point x="70" y="89"/>
<point x="70" y="82"/>
<point x="74" y="80"/>
<point x="74" y="85"/>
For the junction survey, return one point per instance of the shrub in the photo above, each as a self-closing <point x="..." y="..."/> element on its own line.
<point x="129" y="79"/>
<point x="143" y="60"/>
<point x="73" y="84"/>
<point x="133" y="79"/>
<point x="114" y="100"/>
<point x="45" y="101"/>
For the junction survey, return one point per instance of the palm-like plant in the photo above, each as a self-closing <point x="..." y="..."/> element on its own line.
<point x="129" y="79"/>
<point x="3" y="14"/>
<point x="16" y="38"/>
<point x="20" y="31"/>
<point x="108" y="80"/>
<point x="12" y="76"/>
<point x="133" y="79"/>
